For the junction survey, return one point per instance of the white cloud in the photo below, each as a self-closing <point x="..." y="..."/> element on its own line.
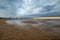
<point x="20" y="12"/>
<point x="37" y="10"/>
<point x="27" y="2"/>
<point x="26" y="7"/>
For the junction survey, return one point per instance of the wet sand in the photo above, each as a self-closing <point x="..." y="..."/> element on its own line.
<point x="29" y="30"/>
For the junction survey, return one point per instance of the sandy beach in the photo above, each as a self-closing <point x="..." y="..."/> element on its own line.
<point x="29" y="31"/>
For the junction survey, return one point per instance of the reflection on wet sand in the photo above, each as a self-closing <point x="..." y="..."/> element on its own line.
<point x="32" y="22"/>
<point x="30" y="29"/>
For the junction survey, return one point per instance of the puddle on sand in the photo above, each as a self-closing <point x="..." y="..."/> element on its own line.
<point x="15" y="22"/>
<point x="19" y="22"/>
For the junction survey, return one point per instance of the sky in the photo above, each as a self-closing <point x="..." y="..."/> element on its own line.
<point x="18" y="8"/>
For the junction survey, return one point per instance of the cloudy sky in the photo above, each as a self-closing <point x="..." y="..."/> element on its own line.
<point x="18" y="8"/>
